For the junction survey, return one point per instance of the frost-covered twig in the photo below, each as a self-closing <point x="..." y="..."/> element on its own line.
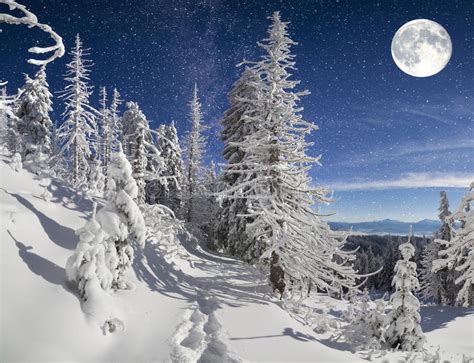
<point x="29" y="19"/>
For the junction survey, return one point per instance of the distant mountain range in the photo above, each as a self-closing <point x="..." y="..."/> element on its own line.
<point x="389" y="226"/>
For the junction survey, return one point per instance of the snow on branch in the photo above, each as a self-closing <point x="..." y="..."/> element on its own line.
<point x="29" y="19"/>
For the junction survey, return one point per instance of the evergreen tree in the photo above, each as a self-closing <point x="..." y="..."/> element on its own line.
<point x="390" y="259"/>
<point x="107" y="135"/>
<point x="168" y="190"/>
<point x="285" y="233"/>
<point x="91" y="263"/>
<point x="96" y="178"/>
<point x="446" y="277"/>
<point x="431" y="285"/>
<point x="9" y="136"/>
<point x="210" y="206"/>
<point x="121" y="218"/>
<point x="195" y="146"/>
<point x="459" y="252"/>
<point x="33" y="108"/>
<point x="77" y="131"/>
<point x="139" y="147"/>
<point x="239" y="121"/>
<point x="115" y="125"/>
<point x="404" y="330"/>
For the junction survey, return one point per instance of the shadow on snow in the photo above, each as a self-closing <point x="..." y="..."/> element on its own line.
<point x="60" y="235"/>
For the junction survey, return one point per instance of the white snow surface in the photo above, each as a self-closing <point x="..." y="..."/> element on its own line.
<point x="187" y="305"/>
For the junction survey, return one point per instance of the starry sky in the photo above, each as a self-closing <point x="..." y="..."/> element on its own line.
<point x="389" y="141"/>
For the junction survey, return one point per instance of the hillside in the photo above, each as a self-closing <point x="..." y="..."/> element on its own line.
<point x="187" y="305"/>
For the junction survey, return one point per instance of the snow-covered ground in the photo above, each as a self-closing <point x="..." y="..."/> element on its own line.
<point x="187" y="305"/>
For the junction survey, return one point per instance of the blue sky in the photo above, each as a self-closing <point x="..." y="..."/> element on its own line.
<point x="389" y="142"/>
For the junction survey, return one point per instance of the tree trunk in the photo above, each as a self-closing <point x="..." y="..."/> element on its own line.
<point x="277" y="274"/>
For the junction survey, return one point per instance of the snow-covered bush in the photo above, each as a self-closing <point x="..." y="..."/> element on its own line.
<point x="404" y="330"/>
<point x="366" y="323"/>
<point x="163" y="228"/>
<point x="16" y="163"/>
<point x="46" y="194"/>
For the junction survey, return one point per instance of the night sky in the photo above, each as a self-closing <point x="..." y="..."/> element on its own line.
<point x="382" y="132"/>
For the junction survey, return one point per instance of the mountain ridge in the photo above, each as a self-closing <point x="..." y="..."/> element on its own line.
<point x="389" y="226"/>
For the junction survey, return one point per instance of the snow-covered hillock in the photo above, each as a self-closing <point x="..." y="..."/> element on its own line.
<point x="186" y="304"/>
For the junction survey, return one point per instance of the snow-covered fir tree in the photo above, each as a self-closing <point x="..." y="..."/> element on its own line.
<point x="431" y="285"/>
<point x="96" y="178"/>
<point x="438" y="286"/>
<point x="168" y="191"/>
<point x="211" y="209"/>
<point x="77" y="131"/>
<point x="9" y="137"/>
<point x="104" y="122"/>
<point x="404" y="329"/>
<point x="121" y="218"/>
<point x="239" y="121"/>
<point x="195" y="148"/>
<point x="33" y="107"/>
<point x="140" y="163"/>
<point x="458" y="254"/>
<point x="390" y="259"/>
<point x="91" y="265"/>
<point x="115" y="122"/>
<point x="285" y="233"/>
<point x="139" y="147"/>
<point x="444" y="232"/>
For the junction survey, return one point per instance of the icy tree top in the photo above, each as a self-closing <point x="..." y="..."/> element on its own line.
<point x="407" y="250"/>
<point x="29" y="19"/>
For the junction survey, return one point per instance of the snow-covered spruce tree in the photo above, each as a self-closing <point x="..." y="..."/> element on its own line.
<point x="77" y="131"/>
<point x="195" y="146"/>
<point x="115" y="124"/>
<point x="96" y="178"/>
<point x="121" y="217"/>
<point x="239" y="121"/>
<point x="33" y="107"/>
<point x="459" y="252"/>
<point x="438" y="286"/>
<point x="431" y="285"/>
<point x="286" y="234"/>
<point x="89" y="266"/>
<point x="168" y="190"/>
<point x="210" y="206"/>
<point x="390" y="259"/>
<point x="104" y="124"/>
<point x="9" y="136"/>
<point x="445" y="231"/>
<point x="404" y="329"/>
<point x="139" y="148"/>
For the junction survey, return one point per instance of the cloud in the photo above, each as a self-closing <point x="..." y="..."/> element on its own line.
<point x="409" y="181"/>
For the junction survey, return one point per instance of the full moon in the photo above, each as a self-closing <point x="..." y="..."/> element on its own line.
<point x="421" y="48"/>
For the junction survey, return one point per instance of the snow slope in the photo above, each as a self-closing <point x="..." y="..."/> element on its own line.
<point x="188" y="304"/>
